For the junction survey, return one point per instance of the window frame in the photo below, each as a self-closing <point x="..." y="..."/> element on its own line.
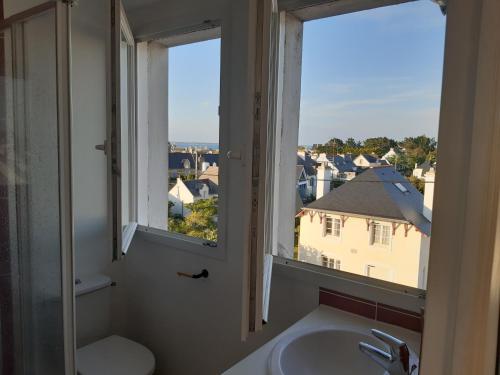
<point x="292" y="15"/>
<point x="209" y="30"/>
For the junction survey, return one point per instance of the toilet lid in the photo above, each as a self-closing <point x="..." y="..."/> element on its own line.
<point x="115" y="355"/>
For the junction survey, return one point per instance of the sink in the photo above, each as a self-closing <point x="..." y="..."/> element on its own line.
<point x="325" y="351"/>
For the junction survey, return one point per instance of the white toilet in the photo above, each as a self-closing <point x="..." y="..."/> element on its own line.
<point x="99" y="353"/>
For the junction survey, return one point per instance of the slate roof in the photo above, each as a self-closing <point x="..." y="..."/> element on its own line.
<point x="176" y="159"/>
<point x="370" y="158"/>
<point x="343" y="164"/>
<point x="308" y="163"/>
<point x="373" y="193"/>
<point x="299" y="173"/>
<point x="425" y="166"/>
<point x="194" y="186"/>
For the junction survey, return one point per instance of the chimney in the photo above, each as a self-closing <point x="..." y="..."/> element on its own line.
<point x="429" y="178"/>
<point x="324" y="178"/>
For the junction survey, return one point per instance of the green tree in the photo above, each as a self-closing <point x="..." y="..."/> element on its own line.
<point x="379" y="145"/>
<point x="201" y="222"/>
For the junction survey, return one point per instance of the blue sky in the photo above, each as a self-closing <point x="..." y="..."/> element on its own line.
<point x="365" y="74"/>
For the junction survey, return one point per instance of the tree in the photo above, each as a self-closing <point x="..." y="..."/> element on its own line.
<point x="418" y="183"/>
<point x="201" y="222"/>
<point x="379" y="145"/>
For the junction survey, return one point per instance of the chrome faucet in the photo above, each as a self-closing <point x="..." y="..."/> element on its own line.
<point x="397" y="361"/>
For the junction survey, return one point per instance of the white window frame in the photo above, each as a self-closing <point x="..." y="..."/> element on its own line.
<point x="373" y="234"/>
<point x="121" y="237"/>
<point x="153" y="202"/>
<point x="292" y="15"/>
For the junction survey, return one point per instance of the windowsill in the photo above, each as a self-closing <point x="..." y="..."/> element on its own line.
<point x="396" y="295"/>
<point x="180" y="242"/>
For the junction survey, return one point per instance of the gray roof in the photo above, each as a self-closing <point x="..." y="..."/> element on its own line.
<point x="425" y="166"/>
<point x="373" y="193"/>
<point x="176" y="159"/>
<point x="371" y="158"/>
<point x="299" y="173"/>
<point x="194" y="186"/>
<point x="343" y="164"/>
<point x="308" y="163"/>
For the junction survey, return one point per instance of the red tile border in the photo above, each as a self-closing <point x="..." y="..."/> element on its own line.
<point x="348" y="303"/>
<point x="372" y="310"/>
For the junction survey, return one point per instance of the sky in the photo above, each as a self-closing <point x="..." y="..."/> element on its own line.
<point x="365" y="74"/>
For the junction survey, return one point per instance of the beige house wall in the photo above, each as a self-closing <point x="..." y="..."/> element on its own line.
<point x="404" y="261"/>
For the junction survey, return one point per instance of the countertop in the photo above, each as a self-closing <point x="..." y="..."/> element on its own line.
<point x="323" y="316"/>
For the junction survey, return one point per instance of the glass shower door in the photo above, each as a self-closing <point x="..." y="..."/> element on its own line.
<point x="34" y="183"/>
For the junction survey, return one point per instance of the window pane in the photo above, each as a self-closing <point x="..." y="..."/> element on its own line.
<point x="368" y="125"/>
<point x="193" y="131"/>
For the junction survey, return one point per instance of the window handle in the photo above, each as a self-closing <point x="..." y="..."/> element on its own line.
<point x="203" y="273"/>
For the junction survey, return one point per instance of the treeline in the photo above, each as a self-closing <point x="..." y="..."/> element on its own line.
<point x="410" y="150"/>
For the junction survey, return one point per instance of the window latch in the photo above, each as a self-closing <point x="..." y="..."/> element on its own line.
<point x="102" y="147"/>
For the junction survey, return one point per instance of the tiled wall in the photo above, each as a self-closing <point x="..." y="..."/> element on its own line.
<point x="371" y="309"/>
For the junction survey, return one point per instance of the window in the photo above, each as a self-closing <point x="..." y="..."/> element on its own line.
<point x="381" y="234"/>
<point x="180" y="184"/>
<point x="346" y="106"/>
<point x="332" y="227"/>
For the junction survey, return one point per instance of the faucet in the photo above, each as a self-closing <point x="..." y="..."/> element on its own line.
<point x="397" y="361"/>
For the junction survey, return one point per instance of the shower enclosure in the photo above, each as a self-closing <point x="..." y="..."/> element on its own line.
<point x="36" y="261"/>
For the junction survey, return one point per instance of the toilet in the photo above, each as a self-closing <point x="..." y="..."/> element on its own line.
<point x="99" y="352"/>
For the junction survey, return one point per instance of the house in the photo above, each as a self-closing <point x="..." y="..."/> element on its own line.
<point x="375" y="225"/>
<point x="342" y="166"/>
<point x="190" y="191"/>
<point x="422" y="169"/>
<point x="369" y="160"/>
<point x="389" y="155"/>
<point x="305" y="160"/>
<point x="211" y="173"/>
<point x="185" y="163"/>
<point x="302" y="183"/>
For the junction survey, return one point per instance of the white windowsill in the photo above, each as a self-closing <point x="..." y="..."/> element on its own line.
<point x="181" y="242"/>
<point x="396" y="295"/>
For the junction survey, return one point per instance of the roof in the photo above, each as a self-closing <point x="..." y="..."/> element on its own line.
<point x="176" y="159"/>
<point x="299" y="173"/>
<point x="211" y="173"/>
<point x="308" y="163"/>
<point x="194" y="186"/>
<point x="374" y="193"/>
<point x="370" y="158"/>
<point x="343" y="165"/>
<point x="425" y="166"/>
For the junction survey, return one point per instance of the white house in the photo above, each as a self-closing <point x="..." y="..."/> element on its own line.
<point x="391" y="154"/>
<point x="368" y="161"/>
<point x="190" y="191"/>
<point x="375" y="225"/>
<point x="422" y="169"/>
<point x="342" y="166"/>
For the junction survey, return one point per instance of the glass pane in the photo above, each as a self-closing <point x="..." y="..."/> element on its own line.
<point x="369" y="111"/>
<point x="30" y="260"/>
<point x="126" y="129"/>
<point x="193" y="165"/>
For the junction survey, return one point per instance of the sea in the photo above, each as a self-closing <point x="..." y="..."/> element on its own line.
<point x="210" y="146"/>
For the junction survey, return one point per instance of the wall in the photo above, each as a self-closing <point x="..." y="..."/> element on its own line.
<point x="401" y="259"/>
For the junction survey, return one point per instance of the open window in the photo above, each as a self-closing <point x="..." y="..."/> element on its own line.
<point x="361" y="125"/>
<point x="122" y="161"/>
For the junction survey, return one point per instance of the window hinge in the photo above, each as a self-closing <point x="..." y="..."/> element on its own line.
<point x="257" y="104"/>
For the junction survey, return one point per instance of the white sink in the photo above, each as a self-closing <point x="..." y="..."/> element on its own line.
<point x="326" y="351"/>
